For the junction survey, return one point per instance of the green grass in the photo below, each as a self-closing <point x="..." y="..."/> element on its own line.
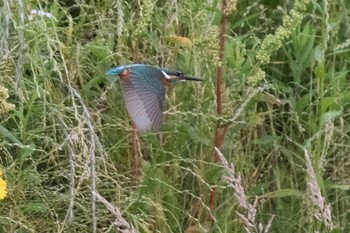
<point x="55" y="75"/>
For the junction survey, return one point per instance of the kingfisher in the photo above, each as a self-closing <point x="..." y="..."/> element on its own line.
<point x="143" y="90"/>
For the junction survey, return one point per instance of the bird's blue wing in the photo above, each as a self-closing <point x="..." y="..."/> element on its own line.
<point x="144" y="96"/>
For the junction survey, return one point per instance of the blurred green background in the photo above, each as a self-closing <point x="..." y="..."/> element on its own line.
<point x="285" y="87"/>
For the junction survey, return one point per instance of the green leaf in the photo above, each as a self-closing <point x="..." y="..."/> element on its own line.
<point x="319" y="70"/>
<point x="268" y="98"/>
<point x="37" y="207"/>
<point x="318" y="54"/>
<point x="267" y="139"/>
<point x="283" y="193"/>
<point x="7" y="134"/>
<point x="330" y="116"/>
<point x="197" y="136"/>
<point x="336" y="231"/>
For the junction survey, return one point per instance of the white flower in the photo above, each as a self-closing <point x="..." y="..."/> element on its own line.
<point x="34" y="12"/>
<point x="41" y="13"/>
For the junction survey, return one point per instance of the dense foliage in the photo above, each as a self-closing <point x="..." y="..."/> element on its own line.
<point x="285" y="93"/>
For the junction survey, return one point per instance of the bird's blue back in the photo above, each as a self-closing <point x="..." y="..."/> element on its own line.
<point x="149" y="76"/>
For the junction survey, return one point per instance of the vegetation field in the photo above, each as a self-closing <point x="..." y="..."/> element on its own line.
<point x="261" y="145"/>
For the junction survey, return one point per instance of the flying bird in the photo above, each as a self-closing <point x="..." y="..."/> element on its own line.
<point x="143" y="90"/>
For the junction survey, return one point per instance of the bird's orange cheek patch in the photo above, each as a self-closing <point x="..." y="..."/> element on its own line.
<point x="165" y="81"/>
<point x="125" y="75"/>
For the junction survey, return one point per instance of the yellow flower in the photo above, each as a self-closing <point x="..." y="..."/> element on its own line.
<point x="3" y="191"/>
<point x="3" y="185"/>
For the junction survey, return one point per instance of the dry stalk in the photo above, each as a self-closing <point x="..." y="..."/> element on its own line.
<point x="235" y="182"/>
<point x="120" y="222"/>
<point x="322" y="211"/>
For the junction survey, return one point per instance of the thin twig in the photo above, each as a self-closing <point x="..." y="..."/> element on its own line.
<point x="7" y="14"/>
<point x="92" y="156"/>
<point x="19" y="65"/>
<point x="69" y="139"/>
<point x="120" y="222"/>
<point x="136" y="160"/>
<point x="72" y="179"/>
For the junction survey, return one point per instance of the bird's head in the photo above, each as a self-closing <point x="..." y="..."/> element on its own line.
<point x="122" y="71"/>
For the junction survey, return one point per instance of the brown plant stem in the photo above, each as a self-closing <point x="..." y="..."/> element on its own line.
<point x="220" y="128"/>
<point x="136" y="157"/>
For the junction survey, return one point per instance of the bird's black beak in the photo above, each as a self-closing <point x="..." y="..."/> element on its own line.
<point x="185" y="77"/>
